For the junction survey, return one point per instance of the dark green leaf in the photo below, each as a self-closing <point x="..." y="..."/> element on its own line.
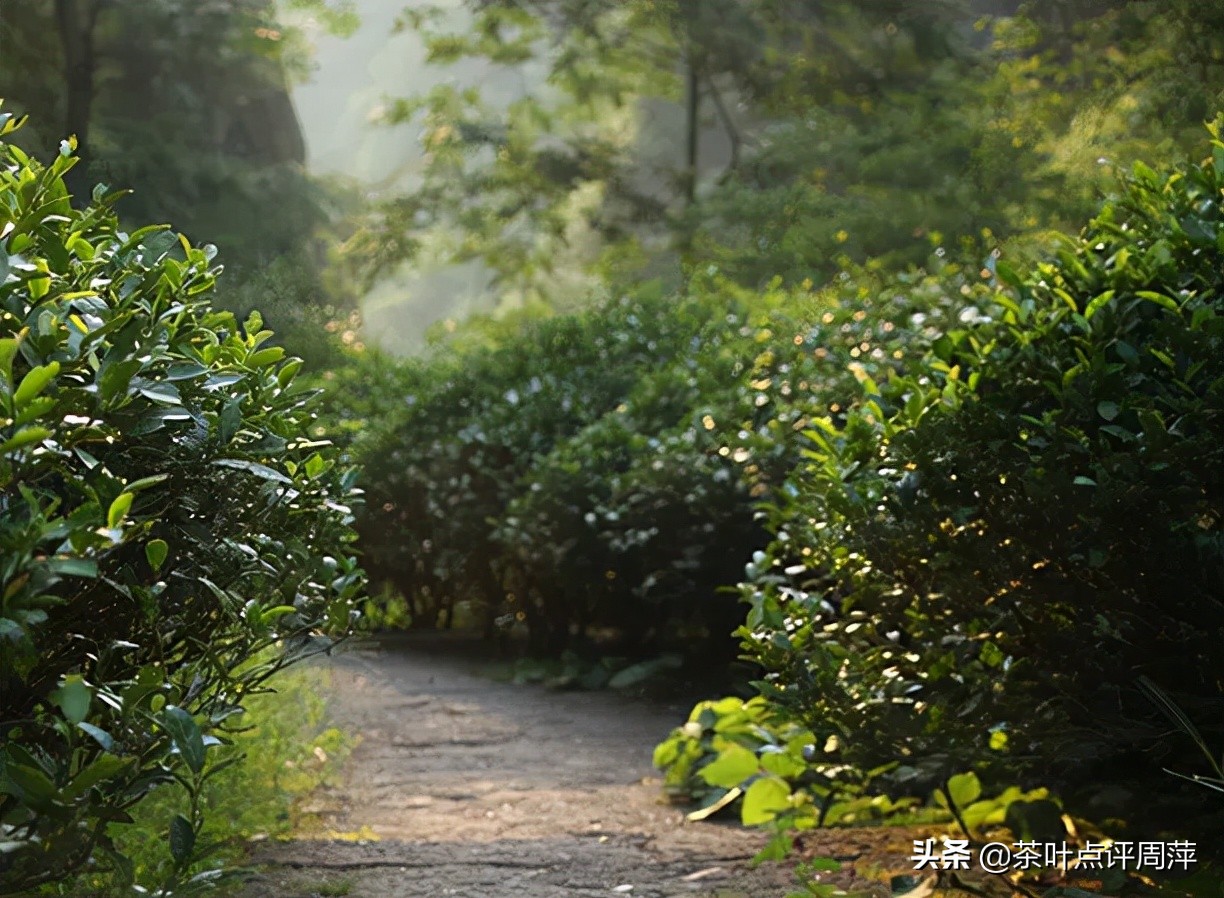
<point x="182" y="839"/>
<point x="187" y="737"/>
<point x="251" y="467"/>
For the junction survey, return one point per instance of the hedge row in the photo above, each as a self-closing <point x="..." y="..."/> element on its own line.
<point x="992" y="497"/>
<point x="597" y="475"/>
<point x="169" y="534"/>
<point x="1008" y="557"/>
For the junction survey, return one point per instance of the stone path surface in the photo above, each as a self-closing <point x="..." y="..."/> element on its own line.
<point x="462" y="786"/>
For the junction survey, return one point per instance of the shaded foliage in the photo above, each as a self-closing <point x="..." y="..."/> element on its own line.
<point x="975" y="565"/>
<point x="527" y="479"/>
<point x="187" y="103"/>
<point x="163" y="521"/>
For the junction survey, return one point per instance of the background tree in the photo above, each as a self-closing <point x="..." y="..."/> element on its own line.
<point x="776" y="137"/>
<point x="186" y="102"/>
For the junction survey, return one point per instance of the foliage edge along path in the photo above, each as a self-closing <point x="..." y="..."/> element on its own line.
<point x="169" y="535"/>
<point x="1003" y="565"/>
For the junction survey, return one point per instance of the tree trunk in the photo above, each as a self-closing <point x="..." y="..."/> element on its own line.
<point x="693" y="133"/>
<point x="76" y="20"/>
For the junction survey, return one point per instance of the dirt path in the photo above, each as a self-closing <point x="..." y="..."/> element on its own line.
<point x="478" y="789"/>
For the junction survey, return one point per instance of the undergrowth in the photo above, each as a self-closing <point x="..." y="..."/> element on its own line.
<point x="289" y="751"/>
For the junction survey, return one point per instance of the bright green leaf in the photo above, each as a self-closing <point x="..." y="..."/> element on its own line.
<point x="156" y="551"/>
<point x="73" y="698"/>
<point x="764" y="800"/>
<point x="118" y="510"/>
<point x="733" y="765"/>
<point x="964" y="788"/>
<point x="35" y="381"/>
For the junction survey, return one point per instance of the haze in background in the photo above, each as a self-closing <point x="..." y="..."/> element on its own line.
<point x="339" y="108"/>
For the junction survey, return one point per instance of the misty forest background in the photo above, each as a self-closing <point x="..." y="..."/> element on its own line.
<point x="875" y="344"/>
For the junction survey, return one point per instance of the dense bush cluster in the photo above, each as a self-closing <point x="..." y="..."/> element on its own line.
<point x="991" y="496"/>
<point x="527" y="477"/>
<point x="990" y="558"/>
<point x="597" y="473"/>
<point x="169" y="535"/>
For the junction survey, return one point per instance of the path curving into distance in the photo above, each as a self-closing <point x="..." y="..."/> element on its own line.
<point x="480" y="789"/>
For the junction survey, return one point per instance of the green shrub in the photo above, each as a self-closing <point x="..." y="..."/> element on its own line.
<point x="755" y="756"/>
<point x="480" y="463"/>
<point x="164" y="520"/>
<point x="287" y="751"/>
<point x="727" y="747"/>
<point x="595" y="473"/>
<point x="975" y="563"/>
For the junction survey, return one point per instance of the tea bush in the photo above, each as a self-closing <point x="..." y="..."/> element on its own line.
<point x="287" y="751"/>
<point x="596" y="473"/>
<point x="974" y="563"/>
<point x="476" y="482"/>
<point x="170" y="536"/>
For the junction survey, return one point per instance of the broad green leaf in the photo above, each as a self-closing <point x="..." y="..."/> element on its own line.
<point x="733" y="765"/>
<point x="73" y="567"/>
<point x="315" y="465"/>
<point x="35" y="408"/>
<point x="274" y="614"/>
<point x="182" y="839"/>
<point x="145" y="482"/>
<point x="965" y="788"/>
<point x="8" y="351"/>
<point x="24" y="437"/>
<point x="764" y="800"/>
<point x="99" y="735"/>
<point x="73" y="698"/>
<point x="187" y="737"/>
<point x="162" y="391"/>
<point x="1160" y="299"/>
<point x="265" y="357"/>
<point x="251" y="467"/>
<point x="185" y="371"/>
<point x="156" y="419"/>
<point x="27" y="784"/>
<point x="782" y="764"/>
<point x="987" y="812"/>
<point x="230" y="419"/>
<point x="288" y="371"/>
<point x="115" y="379"/>
<point x="105" y="767"/>
<point x="118" y="510"/>
<point x="1097" y="303"/>
<point x="156" y="551"/>
<point x="220" y="381"/>
<point x="39" y="286"/>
